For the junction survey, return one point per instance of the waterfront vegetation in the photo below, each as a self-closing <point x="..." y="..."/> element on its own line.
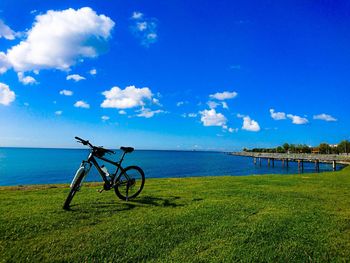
<point x="324" y="148"/>
<point x="279" y="218"/>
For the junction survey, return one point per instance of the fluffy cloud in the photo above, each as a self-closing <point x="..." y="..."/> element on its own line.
<point x="105" y="118"/>
<point x="224" y="95"/>
<point x="224" y="105"/>
<point x="148" y="113"/>
<point x="189" y="115"/>
<point x="6" y="95"/>
<point x="4" y="63"/>
<point x="66" y="92"/>
<point x="75" y="77"/>
<point x="58" y="39"/>
<point x="26" y="80"/>
<point x="250" y="125"/>
<point x="180" y="103"/>
<point x="136" y="15"/>
<point x="324" y="117"/>
<point x="232" y="130"/>
<point x="277" y="115"/>
<point x="130" y="97"/>
<point x="212" y="104"/>
<point x="212" y="118"/>
<point x="144" y="28"/>
<point x="81" y="104"/>
<point x="58" y="113"/>
<point x="122" y="112"/>
<point x="297" y="119"/>
<point x="6" y="32"/>
<point x="93" y="71"/>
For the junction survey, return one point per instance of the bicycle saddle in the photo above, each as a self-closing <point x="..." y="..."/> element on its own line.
<point x="127" y="149"/>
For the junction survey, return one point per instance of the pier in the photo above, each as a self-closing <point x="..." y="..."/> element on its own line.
<point x="285" y="158"/>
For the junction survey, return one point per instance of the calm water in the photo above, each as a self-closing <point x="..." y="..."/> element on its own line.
<point x="20" y="166"/>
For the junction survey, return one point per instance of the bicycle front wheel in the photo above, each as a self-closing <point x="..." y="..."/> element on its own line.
<point x="129" y="183"/>
<point x="74" y="188"/>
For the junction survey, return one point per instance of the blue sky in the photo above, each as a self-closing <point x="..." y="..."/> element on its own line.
<point x="181" y="75"/>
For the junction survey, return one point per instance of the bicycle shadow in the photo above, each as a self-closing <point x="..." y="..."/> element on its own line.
<point x="158" y="201"/>
<point x="102" y="207"/>
<point x="115" y="206"/>
<point x="119" y="206"/>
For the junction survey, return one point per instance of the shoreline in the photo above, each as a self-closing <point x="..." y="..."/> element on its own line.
<point x="322" y="158"/>
<point x="30" y="187"/>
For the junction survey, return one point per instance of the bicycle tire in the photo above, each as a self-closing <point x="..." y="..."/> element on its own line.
<point x="136" y="183"/>
<point x="73" y="191"/>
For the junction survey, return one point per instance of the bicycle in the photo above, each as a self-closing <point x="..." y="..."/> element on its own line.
<point x="127" y="185"/>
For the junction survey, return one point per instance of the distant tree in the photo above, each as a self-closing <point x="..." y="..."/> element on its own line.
<point x="325" y="148"/>
<point x="299" y="148"/>
<point x="344" y="147"/>
<point x="305" y="149"/>
<point x="292" y="148"/>
<point x="286" y="147"/>
<point x="280" y="149"/>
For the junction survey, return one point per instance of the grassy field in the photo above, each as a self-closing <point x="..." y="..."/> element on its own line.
<point x="277" y="218"/>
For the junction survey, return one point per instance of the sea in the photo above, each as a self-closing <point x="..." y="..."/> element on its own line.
<point x="26" y="166"/>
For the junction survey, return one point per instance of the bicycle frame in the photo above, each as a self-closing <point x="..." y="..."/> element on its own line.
<point x="92" y="159"/>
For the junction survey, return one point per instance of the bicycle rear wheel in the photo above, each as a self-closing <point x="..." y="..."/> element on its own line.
<point x="129" y="183"/>
<point x="74" y="188"/>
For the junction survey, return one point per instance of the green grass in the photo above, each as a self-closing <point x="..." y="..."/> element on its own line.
<point x="277" y="218"/>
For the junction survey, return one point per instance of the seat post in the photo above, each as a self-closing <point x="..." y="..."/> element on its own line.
<point x="122" y="158"/>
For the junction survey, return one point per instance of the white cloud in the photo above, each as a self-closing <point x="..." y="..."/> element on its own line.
<point x="224" y="105"/>
<point x="324" y="117"/>
<point x="66" y="92"/>
<point x="26" y="80"/>
<point x="59" y="39"/>
<point x="93" y="71"/>
<point x="250" y="125"/>
<point x="141" y="26"/>
<point x="144" y="28"/>
<point x="224" y="95"/>
<point x="58" y="113"/>
<point x="212" y="118"/>
<point x="232" y="130"/>
<point x="128" y="98"/>
<point x="122" y="112"/>
<point x="212" y="104"/>
<point x="75" y="77"/>
<point x="297" y="119"/>
<point x="180" y="103"/>
<point x="81" y="104"/>
<point x="4" y="63"/>
<point x="136" y="15"/>
<point x="189" y="115"/>
<point x="151" y="37"/>
<point x="6" y="32"/>
<point x="156" y="102"/>
<point x="6" y="95"/>
<point x="105" y="118"/>
<point x="148" y="113"/>
<point x="277" y="115"/>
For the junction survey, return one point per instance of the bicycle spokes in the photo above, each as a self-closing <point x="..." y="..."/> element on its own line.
<point x="128" y="183"/>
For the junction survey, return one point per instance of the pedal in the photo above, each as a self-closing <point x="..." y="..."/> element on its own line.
<point x="101" y="190"/>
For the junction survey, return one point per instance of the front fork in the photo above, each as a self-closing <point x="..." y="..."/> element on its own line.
<point x="84" y="168"/>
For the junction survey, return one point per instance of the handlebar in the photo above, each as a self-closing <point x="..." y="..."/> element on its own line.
<point x="86" y="142"/>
